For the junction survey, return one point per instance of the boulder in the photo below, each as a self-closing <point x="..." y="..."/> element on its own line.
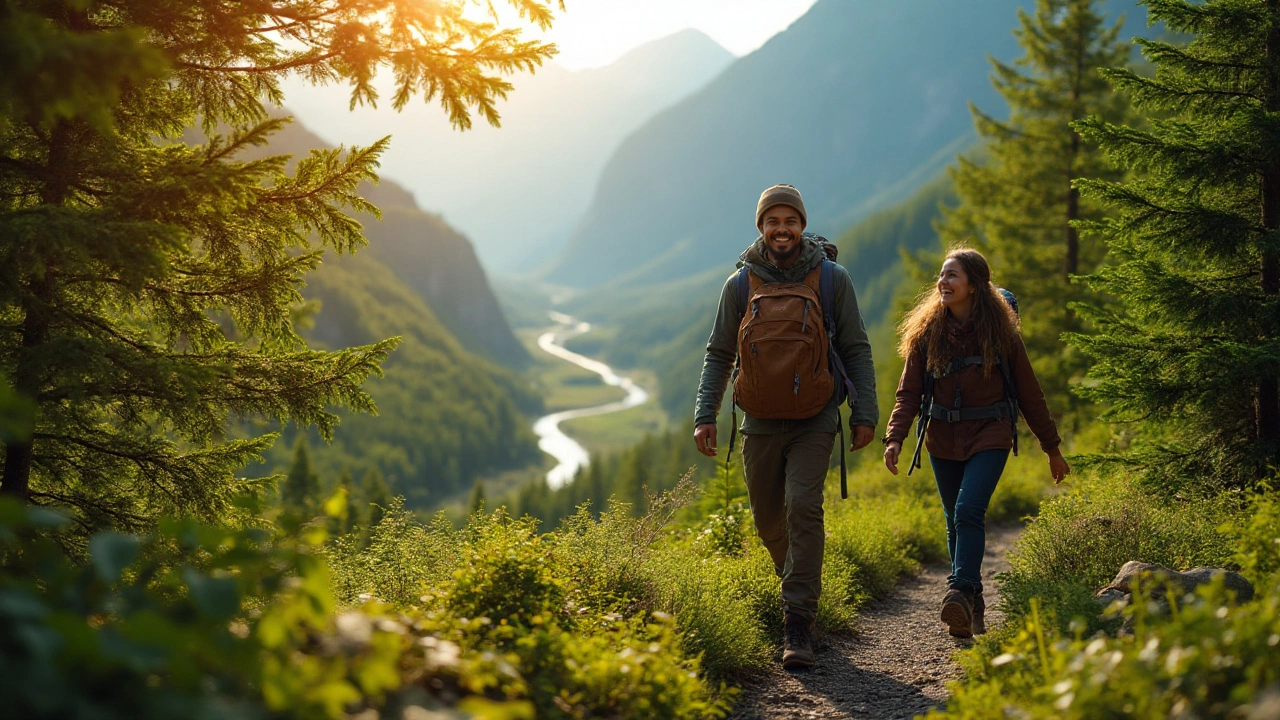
<point x="1157" y="579"/>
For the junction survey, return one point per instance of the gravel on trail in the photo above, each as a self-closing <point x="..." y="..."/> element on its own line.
<point x="896" y="665"/>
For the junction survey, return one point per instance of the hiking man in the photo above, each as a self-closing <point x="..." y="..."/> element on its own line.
<point x="793" y="368"/>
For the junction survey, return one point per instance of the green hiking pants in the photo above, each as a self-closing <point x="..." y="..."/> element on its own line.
<point x="785" y="474"/>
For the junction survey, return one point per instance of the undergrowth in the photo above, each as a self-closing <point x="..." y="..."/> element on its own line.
<point x="1062" y="655"/>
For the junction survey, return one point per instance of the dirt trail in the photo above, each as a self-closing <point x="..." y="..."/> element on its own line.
<point x="896" y="666"/>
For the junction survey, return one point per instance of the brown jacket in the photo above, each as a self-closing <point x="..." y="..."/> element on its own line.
<point x="961" y="440"/>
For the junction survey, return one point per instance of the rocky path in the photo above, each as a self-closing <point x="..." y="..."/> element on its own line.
<point x="896" y="666"/>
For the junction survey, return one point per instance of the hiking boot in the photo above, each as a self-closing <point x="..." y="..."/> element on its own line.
<point x="957" y="613"/>
<point x="797" y="653"/>
<point x="979" y="623"/>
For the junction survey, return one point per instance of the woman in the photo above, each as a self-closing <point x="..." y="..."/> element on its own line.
<point x="963" y="336"/>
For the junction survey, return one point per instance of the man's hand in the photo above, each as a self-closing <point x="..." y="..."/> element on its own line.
<point x="891" y="451"/>
<point x="704" y="436"/>
<point x="862" y="437"/>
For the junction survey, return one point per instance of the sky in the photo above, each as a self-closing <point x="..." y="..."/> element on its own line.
<point x="592" y="33"/>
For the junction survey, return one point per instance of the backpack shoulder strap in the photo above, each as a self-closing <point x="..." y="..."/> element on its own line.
<point x="827" y="293"/>
<point x="827" y="298"/>
<point x="744" y="289"/>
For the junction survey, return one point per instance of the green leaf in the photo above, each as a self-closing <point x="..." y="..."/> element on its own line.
<point x="111" y="553"/>
<point x="215" y="598"/>
<point x="19" y="604"/>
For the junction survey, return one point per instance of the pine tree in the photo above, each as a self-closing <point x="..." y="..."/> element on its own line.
<point x="300" y="491"/>
<point x="476" y="503"/>
<point x="1193" y="349"/>
<point x="146" y="286"/>
<point x="635" y="476"/>
<point x="376" y="495"/>
<point x="1018" y="204"/>
<point x="355" y="513"/>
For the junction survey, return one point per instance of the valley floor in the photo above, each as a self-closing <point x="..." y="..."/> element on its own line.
<point x="896" y="666"/>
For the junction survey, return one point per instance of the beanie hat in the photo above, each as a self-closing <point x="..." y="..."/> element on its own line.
<point x="780" y="195"/>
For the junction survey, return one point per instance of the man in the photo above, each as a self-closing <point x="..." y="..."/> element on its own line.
<point x="785" y="460"/>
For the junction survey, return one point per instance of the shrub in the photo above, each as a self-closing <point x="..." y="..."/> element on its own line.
<point x="195" y="621"/>
<point x="508" y="574"/>
<point x="1080" y="539"/>
<point x="559" y="621"/>
<point x="401" y="558"/>
<point x="1256" y="535"/>
<point x="1208" y="659"/>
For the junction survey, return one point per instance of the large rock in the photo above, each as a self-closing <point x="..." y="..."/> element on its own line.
<point x="1157" y="579"/>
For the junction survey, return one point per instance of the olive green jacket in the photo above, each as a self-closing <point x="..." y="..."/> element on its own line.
<point x="850" y="342"/>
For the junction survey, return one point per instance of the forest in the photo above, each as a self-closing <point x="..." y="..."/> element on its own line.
<point x="266" y="422"/>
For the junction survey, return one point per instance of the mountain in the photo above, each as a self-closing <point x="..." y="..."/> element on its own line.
<point x="518" y="189"/>
<point x="430" y="257"/>
<point x="858" y="103"/>
<point x="445" y="416"/>
<point x="448" y="411"/>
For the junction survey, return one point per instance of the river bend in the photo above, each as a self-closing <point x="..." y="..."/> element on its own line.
<point x="569" y="454"/>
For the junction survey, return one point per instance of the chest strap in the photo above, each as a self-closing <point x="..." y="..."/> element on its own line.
<point x="998" y="411"/>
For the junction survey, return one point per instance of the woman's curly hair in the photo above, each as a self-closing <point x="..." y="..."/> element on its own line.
<point x="924" y="327"/>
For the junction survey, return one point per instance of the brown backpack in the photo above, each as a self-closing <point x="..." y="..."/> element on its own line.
<point x="783" y="351"/>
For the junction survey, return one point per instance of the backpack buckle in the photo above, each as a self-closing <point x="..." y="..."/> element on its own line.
<point x="953" y="416"/>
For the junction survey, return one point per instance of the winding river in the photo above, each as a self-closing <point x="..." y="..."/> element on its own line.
<point x="569" y="454"/>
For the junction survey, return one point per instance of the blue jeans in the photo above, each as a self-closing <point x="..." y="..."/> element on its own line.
<point x="966" y="487"/>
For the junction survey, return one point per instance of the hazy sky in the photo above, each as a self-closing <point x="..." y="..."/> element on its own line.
<point x="592" y="33"/>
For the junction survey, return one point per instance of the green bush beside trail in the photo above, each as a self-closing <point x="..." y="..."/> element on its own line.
<point x="1208" y="659"/>
<point x="1058" y="654"/>
<point x="698" y="563"/>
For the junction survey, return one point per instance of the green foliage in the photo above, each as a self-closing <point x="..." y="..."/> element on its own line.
<point x="446" y="416"/>
<point x="562" y="614"/>
<point x="1256" y="535"/>
<point x="1190" y="352"/>
<point x="506" y="575"/>
<point x="1017" y="205"/>
<point x="1080" y="539"/>
<point x="147" y="287"/>
<point x="397" y="562"/>
<point x="377" y="495"/>
<point x="1209" y="659"/>
<point x="193" y="621"/>
<point x="353" y="516"/>
<point x="476" y="503"/>
<point x="300" y="491"/>
<point x="505" y="588"/>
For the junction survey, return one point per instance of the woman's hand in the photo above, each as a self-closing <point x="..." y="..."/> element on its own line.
<point x="891" y="450"/>
<point x="1058" y="466"/>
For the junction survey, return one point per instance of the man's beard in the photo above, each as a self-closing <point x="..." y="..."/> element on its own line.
<point x="782" y="257"/>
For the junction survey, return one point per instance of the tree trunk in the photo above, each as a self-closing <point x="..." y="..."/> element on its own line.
<point x="36" y="302"/>
<point x="1268" y="400"/>
<point x="1072" y="265"/>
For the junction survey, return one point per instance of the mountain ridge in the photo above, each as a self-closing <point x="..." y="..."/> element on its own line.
<point x="558" y="129"/>
<point x="856" y="130"/>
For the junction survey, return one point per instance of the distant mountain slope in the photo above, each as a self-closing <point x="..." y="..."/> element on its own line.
<point x="518" y="189"/>
<point x="872" y="248"/>
<point x="445" y="416"/>
<point x="858" y="103"/>
<point x="446" y="413"/>
<point x="430" y="257"/>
